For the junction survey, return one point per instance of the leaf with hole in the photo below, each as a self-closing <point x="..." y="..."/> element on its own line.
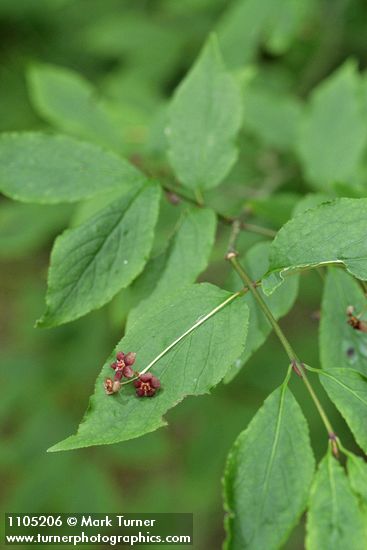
<point x="341" y="346"/>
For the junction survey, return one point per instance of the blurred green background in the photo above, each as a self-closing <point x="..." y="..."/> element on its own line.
<point x="135" y="53"/>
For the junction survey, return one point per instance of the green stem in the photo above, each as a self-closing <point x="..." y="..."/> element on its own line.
<point x="247" y="280"/>
<point x="295" y="362"/>
<point x="189" y="330"/>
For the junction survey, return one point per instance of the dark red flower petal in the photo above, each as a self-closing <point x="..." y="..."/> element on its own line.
<point x="128" y="372"/>
<point x="155" y="382"/>
<point x="130" y="358"/>
<point x="146" y="377"/>
<point x="118" y="375"/>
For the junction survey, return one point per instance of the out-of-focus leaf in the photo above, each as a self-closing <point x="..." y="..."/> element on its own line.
<point x="91" y="263"/>
<point x="273" y="117"/>
<point x="184" y="259"/>
<point x="70" y="103"/>
<point x="311" y="200"/>
<point x="287" y="22"/>
<point x="138" y="40"/>
<point x="347" y="389"/>
<point x="333" y="134"/>
<point x="280" y="302"/>
<point x="41" y="168"/>
<point x="204" y="118"/>
<point x="340" y="344"/>
<point x="332" y="233"/>
<point x="26" y="227"/>
<point x="276" y="209"/>
<point x="334" y="519"/>
<point x="189" y="367"/>
<point x="247" y="23"/>
<point x="266" y="490"/>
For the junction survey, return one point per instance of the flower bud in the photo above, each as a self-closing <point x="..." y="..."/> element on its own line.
<point x="130" y="358"/>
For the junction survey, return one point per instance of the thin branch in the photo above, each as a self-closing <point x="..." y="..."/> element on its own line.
<point x="296" y="364"/>
<point x="227" y="220"/>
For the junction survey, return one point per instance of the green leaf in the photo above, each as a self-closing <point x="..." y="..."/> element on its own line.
<point x="37" y="167"/>
<point x="247" y="22"/>
<point x="273" y="117"/>
<point x="333" y="134"/>
<point x="287" y="23"/>
<point x="256" y="261"/>
<point x="276" y="209"/>
<point x="334" y="519"/>
<point x="347" y="389"/>
<point x="241" y="28"/>
<point x="70" y="103"/>
<point x="91" y="263"/>
<point x="204" y="118"/>
<point x="189" y="367"/>
<point x="268" y="475"/>
<point x="311" y="200"/>
<point x="357" y="473"/>
<point x="332" y="233"/>
<point x="184" y="259"/>
<point x="340" y="344"/>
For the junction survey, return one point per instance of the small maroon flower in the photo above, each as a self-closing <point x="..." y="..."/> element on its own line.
<point x="120" y="356"/>
<point x="146" y="385"/>
<point x="108" y="386"/>
<point x="127" y="372"/>
<point x="111" y="386"/>
<point x="114" y="366"/>
<point x="129" y="358"/>
<point x="118" y="375"/>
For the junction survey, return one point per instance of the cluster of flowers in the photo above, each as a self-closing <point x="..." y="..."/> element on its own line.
<point x="146" y="384"/>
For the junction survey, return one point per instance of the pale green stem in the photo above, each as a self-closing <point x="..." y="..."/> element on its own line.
<point x="284" y="341"/>
<point x="201" y="321"/>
